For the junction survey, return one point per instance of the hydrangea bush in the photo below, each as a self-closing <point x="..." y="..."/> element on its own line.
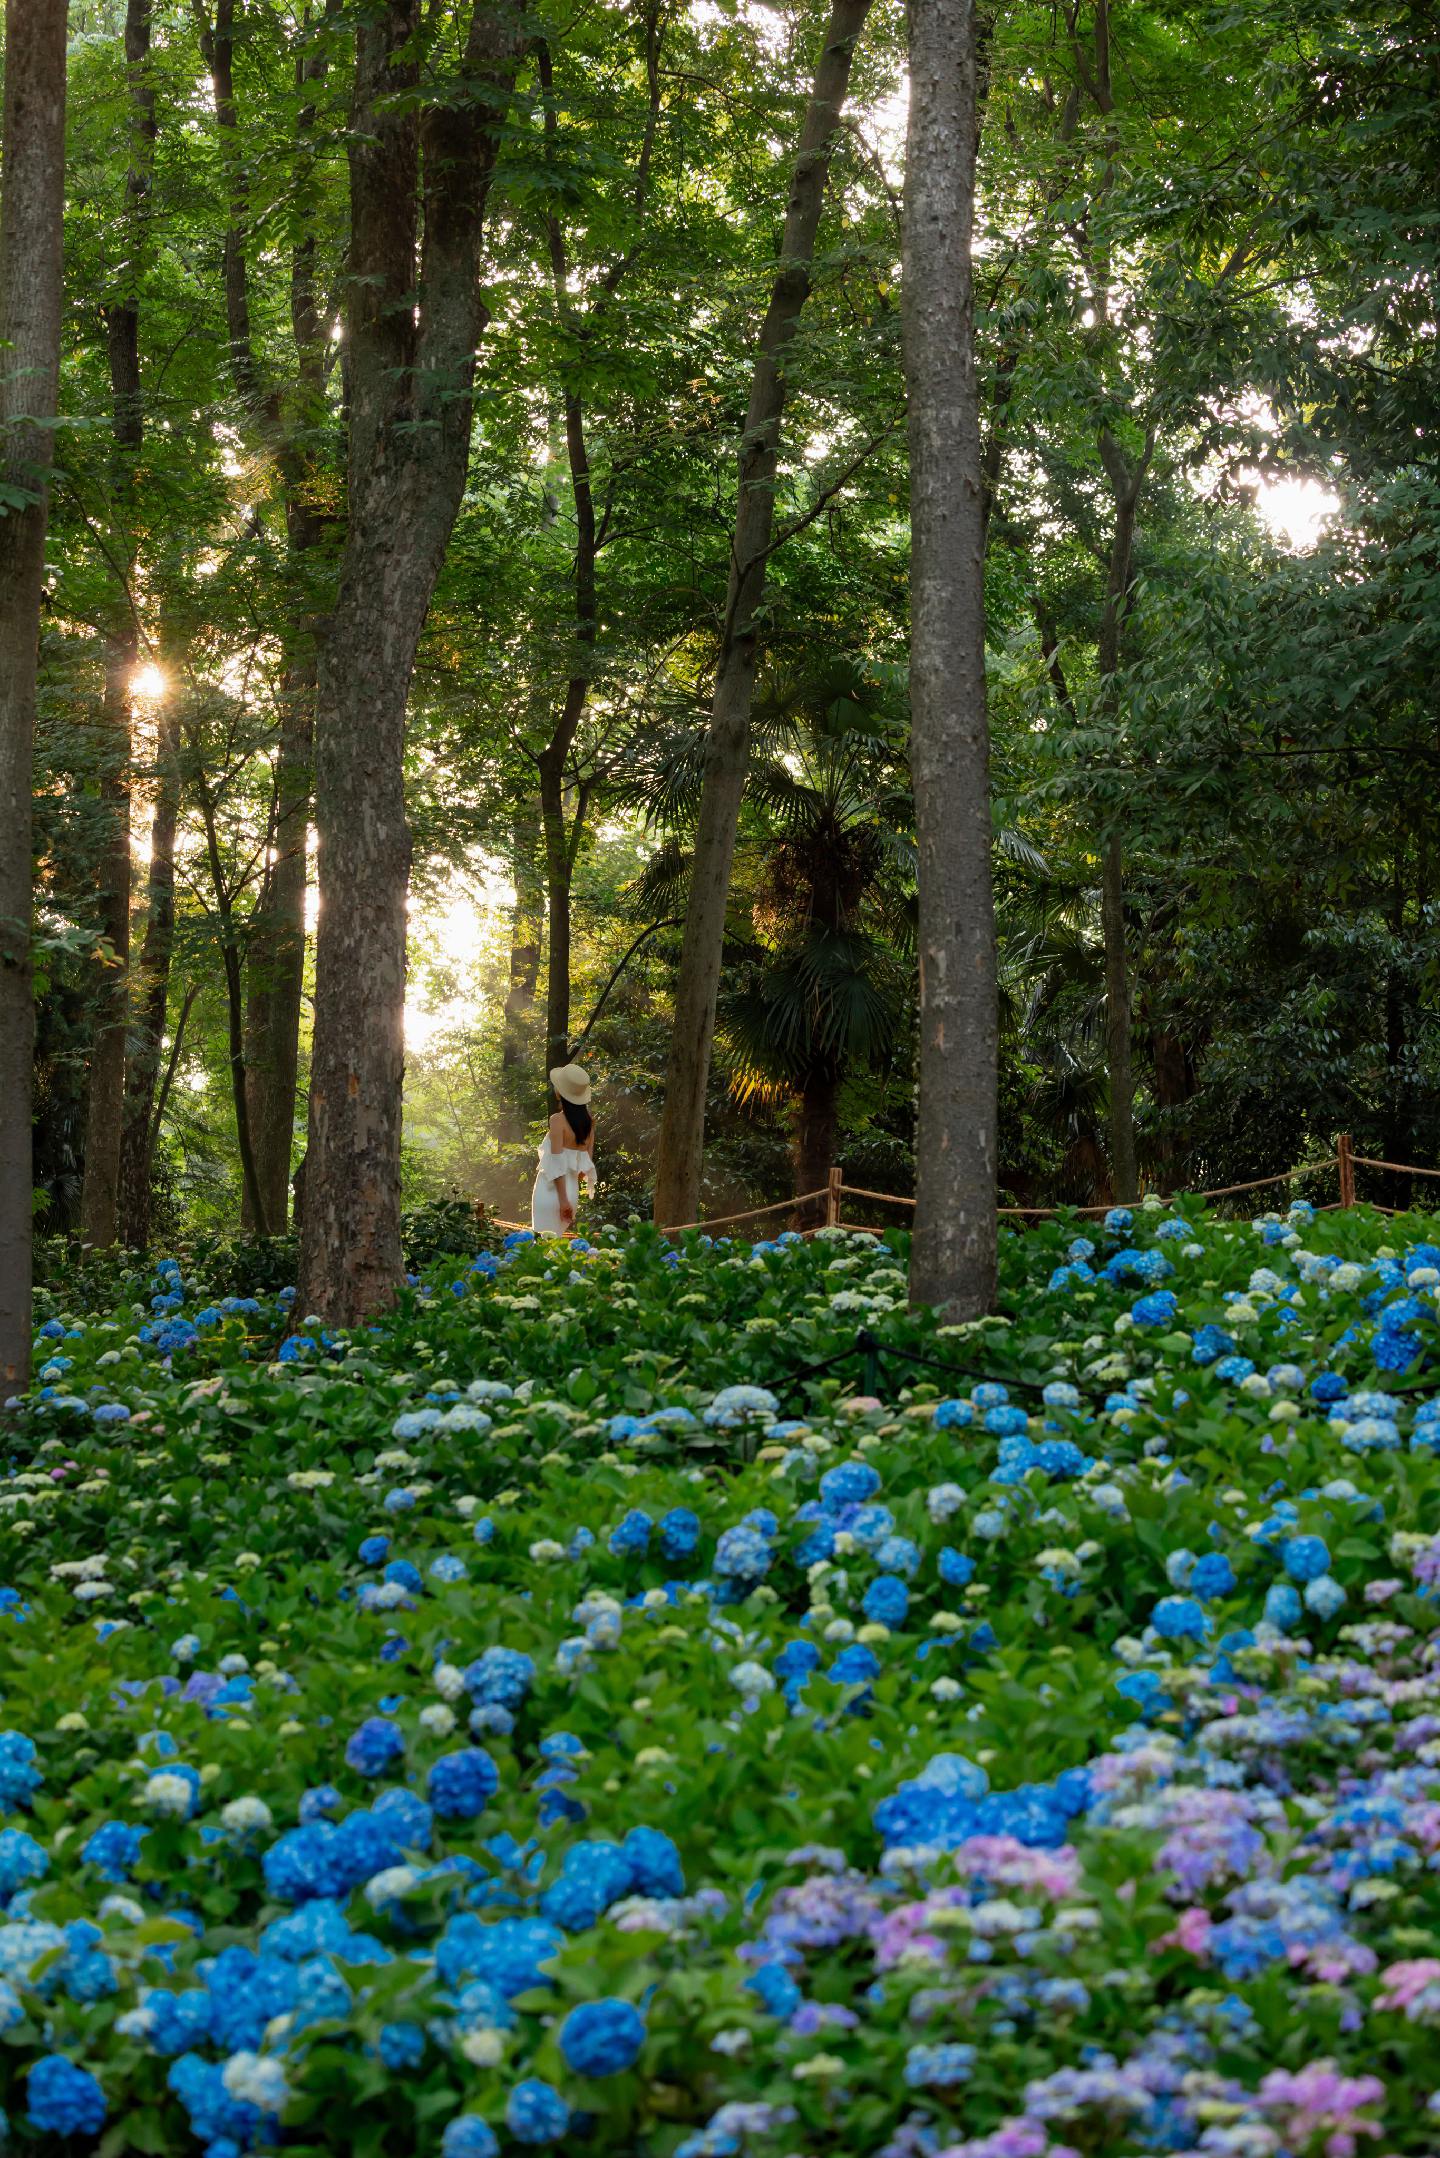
<point x="567" y="1715"/>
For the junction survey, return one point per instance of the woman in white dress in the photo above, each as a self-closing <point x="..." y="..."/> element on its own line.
<point x="565" y="1155"/>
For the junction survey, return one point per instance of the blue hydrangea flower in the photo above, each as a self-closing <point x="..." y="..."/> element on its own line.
<point x="631" y="1539"/>
<point x="19" y="1777"/>
<point x="406" y="1817"/>
<point x="536" y="2113"/>
<point x="849" y="1483"/>
<point x="1324" y="1596"/>
<point x="776" y="1989"/>
<point x="593" y="1875"/>
<point x="886" y="1601"/>
<point x="1305" y="1558"/>
<point x="855" y="1665"/>
<point x="468" y="2136"/>
<point x="952" y="1415"/>
<point x="679" y="1533"/>
<point x="743" y="1556"/>
<point x="375" y="1747"/>
<point x="796" y="1661"/>
<point x="1179" y="1618"/>
<point x="602" y="2038"/>
<point x="402" y="2046"/>
<point x="461" y="1784"/>
<point x="63" y="2100"/>
<point x="1213" y="1576"/>
<point x="957" y="1568"/>
<point x="113" y="1849"/>
<point x="654" y="1863"/>
<point x="1209" y="1344"/>
<point x="501" y="1676"/>
<point x="938" y="2067"/>
<point x="22" y="1859"/>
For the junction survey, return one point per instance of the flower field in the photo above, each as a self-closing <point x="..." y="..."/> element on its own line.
<point x="563" y="1716"/>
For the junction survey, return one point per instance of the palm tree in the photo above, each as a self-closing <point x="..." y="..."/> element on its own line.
<point x="819" y="979"/>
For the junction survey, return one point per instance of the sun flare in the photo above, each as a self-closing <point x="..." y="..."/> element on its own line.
<point x="150" y="682"/>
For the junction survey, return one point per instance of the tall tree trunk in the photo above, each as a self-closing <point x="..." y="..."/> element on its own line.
<point x="105" y="1117"/>
<point x="32" y="201"/>
<point x="1398" y="1123"/>
<point x="562" y="844"/>
<point x="953" y="1254"/>
<point x="727" y="748"/>
<point x="1174" y="1087"/>
<point x="151" y="993"/>
<point x="411" y="384"/>
<point x="1127" y="481"/>
<point x="284" y="423"/>
<point x="814" y="1140"/>
<point x="275" y="957"/>
<point x="562" y="847"/>
<point x="559" y="854"/>
<point x="527" y="927"/>
<point x="230" y="962"/>
<point x="1123" y="1154"/>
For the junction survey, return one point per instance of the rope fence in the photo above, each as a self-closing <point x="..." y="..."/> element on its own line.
<point x="1342" y="1164"/>
<point x="835" y="1191"/>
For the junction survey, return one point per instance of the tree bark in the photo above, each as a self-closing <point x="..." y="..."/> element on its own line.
<point x="1124" y="1160"/>
<point x="727" y="749"/>
<point x="562" y="847"/>
<point x="275" y="956"/>
<point x="1398" y="1121"/>
<point x="32" y="200"/>
<point x="815" y="1139"/>
<point x="1127" y="481"/>
<point x="151" y="994"/>
<point x="953" y="1253"/>
<point x="99" y="1206"/>
<point x="105" y="1104"/>
<point x="527" y="927"/>
<point x="230" y="963"/>
<point x="284" y="422"/>
<point x="411" y="382"/>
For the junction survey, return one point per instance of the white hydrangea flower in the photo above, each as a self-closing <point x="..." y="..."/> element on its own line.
<point x="168" y="1794"/>
<point x="483" y="2047"/>
<point x="244" y="1816"/>
<point x="252" y="2079"/>
<point x="389" y="1885"/>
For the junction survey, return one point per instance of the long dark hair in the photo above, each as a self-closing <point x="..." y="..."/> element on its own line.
<point x="577" y="1117"/>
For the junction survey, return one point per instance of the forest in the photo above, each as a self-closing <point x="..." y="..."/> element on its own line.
<point x="815" y="624"/>
<point x="1204" y="303"/>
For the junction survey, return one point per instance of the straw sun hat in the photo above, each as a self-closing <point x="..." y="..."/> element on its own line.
<point x="571" y="1084"/>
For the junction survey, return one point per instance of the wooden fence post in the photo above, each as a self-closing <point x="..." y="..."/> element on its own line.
<point x="1347" y="1170"/>
<point x="832" y="1197"/>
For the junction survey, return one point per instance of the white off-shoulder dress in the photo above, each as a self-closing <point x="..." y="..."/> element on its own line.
<point x="559" y="1169"/>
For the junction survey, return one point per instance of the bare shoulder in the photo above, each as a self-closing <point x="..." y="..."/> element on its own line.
<point x="559" y="1134"/>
